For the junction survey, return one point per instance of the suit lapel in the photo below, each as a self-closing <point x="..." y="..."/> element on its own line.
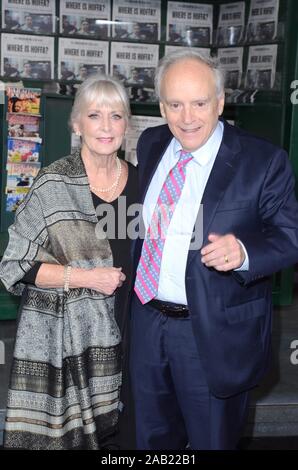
<point x="223" y="171"/>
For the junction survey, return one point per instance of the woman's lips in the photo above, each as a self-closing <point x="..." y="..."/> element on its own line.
<point x="105" y="140"/>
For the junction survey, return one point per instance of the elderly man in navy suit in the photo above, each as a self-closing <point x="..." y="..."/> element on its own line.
<point x="201" y="311"/>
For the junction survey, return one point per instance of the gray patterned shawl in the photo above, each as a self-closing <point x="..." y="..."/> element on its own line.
<point x="66" y="374"/>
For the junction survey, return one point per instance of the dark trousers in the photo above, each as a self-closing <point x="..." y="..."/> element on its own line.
<point x="173" y="404"/>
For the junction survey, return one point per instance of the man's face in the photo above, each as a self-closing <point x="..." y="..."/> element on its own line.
<point x="83" y="72"/>
<point x="28" y="21"/>
<point x="189" y="102"/>
<point x="136" y="29"/>
<point x="27" y="69"/>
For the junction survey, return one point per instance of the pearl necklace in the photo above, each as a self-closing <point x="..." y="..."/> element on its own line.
<point x="116" y="182"/>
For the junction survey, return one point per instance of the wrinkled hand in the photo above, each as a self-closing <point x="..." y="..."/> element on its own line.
<point x="106" y="280"/>
<point x="223" y="253"/>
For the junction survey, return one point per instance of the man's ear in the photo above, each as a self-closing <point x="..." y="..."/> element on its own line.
<point x="162" y="110"/>
<point x="221" y="104"/>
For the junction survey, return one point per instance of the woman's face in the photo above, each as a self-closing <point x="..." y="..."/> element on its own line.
<point x="102" y="129"/>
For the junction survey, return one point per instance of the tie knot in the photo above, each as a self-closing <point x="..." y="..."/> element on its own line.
<point x="185" y="157"/>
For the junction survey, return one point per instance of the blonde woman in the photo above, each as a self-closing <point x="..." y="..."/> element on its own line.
<point x="73" y="278"/>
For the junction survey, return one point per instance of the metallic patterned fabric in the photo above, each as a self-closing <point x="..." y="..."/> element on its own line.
<point x="66" y="372"/>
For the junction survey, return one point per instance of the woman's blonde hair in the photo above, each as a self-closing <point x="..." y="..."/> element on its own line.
<point x="102" y="90"/>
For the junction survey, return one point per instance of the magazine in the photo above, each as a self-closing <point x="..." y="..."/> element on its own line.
<point x="14" y="198"/>
<point x="23" y="126"/>
<point x="23" y="100"/>
<point x="21" y="174"/>
<point x="22" y="151"/>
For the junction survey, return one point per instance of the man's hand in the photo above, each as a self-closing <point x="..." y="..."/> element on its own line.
<point x="223" y="253"/>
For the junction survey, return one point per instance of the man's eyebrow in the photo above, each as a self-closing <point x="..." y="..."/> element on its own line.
<point x="199" y="99"/>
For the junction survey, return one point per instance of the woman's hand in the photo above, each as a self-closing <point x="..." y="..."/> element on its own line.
<point x="104" y="280"/>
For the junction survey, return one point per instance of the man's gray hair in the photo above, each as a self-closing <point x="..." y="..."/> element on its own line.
<point x="188" y="53"/>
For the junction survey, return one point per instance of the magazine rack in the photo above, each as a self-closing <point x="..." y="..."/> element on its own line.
<point x="272" y="116"/>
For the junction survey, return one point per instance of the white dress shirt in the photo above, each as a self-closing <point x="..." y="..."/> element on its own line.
<point x="173" y="264"/>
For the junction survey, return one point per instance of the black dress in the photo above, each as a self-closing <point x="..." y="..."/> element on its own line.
<point x="122" y="257"/>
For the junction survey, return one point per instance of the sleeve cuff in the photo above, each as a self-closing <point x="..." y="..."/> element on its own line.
<point x="245" y="265"/>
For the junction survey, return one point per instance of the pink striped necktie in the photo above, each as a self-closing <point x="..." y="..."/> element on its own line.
<point x="147" y="277"/>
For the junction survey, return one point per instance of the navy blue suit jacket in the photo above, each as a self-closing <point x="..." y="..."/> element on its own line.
<point x="250" y="193"/>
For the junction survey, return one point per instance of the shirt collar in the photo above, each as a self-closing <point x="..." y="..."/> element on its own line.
<point x="208" y="151"/>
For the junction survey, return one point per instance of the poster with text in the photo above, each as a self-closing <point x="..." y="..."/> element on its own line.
<point x="139" y="20"/>
<point x="231" y="61"/>
<point x="137" y="125"/>
<point x="261" y="67"/>
<point x="262" y="21"/>
<point x="134" y="65"/>
<point x="230" y="27"/>
<point x="79" y="58"/>
<point x="29" y="16"/>
<point x="190" y="24"/>
<point x="88" y="18"/>
<point x="27" y="56"/>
